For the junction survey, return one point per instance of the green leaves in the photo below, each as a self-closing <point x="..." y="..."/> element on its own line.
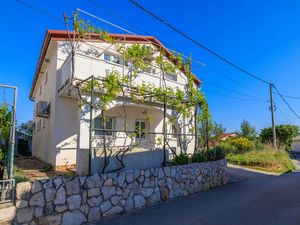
<point x="284" y="132"/>
<point x="5" y="116"/>
<point x="139" y="55"/>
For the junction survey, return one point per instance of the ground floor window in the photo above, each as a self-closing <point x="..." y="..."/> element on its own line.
<point x="174" y="131"/>
<point x="140" y="129"/>
<point x="103" y="124"/>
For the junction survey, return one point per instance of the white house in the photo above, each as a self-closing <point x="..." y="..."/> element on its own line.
<point x="63" y="135"/>
<point x="296" y="144"/>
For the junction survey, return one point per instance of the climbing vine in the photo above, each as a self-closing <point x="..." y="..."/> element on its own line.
<point x="139" y="58"/>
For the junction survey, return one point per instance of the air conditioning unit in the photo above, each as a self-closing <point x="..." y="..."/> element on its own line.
<point x="42" y="109"/>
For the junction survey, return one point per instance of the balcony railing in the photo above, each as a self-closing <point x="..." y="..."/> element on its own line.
<point x="86" y="66"/>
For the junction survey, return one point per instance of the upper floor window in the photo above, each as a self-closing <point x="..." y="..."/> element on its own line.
<point x="171" y="76"/>
<point x="106" y="57"/>
<point x="103" y="124"/>
<point x="40" y="90"/>
<point x="113" y="58"/>
<point x="38" y="127"/>
<point x="46" y="78"/>
<point x="174" y="131"/>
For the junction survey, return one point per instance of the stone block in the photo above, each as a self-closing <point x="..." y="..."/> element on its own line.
<point x="74" y="218"/>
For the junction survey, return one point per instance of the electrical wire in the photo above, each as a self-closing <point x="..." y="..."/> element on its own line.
<point x="234" y="91"/>
<point x="197" y="43"/>
<point x="38" y="10"/>
<point x="186" y="36"/>
<point x="294" y="112"/>
<point x="288" y="96"/>
<point x="118" y="16"/>
<point x="282" y="113"/>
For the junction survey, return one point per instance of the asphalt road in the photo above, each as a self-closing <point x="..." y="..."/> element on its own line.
<point x="250" y="199"/>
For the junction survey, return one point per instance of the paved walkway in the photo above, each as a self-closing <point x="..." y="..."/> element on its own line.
<point x="250" y="199"/>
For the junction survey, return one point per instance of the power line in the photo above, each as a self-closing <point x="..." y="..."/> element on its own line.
<point x="142" y="30"/>
<point x="286" y="102"/>
<point x="197" y="43"/>
<point x="237" y="106"/>
<point x="132" y="33"/>
<point x="112" y="24"/>
<point x="228" y="96"/>
<point x="284" y="114"/>
<point x="234" y="91"/>
<point x="38" y="10"/>
<point x="288" y="96"/>
<point x="180" y="32"/>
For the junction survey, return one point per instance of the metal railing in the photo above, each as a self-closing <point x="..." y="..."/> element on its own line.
<point x="7" y="191"/>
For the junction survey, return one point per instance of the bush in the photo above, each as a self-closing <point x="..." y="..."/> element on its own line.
<point x="181" y="159"/>
<point x="46" y="168"/>
<point x="227" y="147"/>
<point x="215" y="154"/>
<point x="242" y="144"/>
<point x="269" y="160"/>
<point x="2" y="154"/>
<point x="198" y="157"/>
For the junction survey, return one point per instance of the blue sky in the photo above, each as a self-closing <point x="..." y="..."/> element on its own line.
<point x="260" y="36"/>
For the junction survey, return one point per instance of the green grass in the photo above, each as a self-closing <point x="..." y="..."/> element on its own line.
<point x="19" y="175"/>
<point x="266" y="160"/>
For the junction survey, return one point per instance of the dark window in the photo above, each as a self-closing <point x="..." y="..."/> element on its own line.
<point x="171" y="76"/>
<point x="140" y="129"/>
<point x="116" y="60"/>
<point x="105" y="124"/>
<point x="106" y="57"/>
<point x="174" y="131"/>
<point x="46" y="78"/>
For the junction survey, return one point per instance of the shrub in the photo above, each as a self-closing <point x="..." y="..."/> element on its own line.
<point x="269" y="160"/>
<point x="181" y="159"/>
<point x="258" y="145"/>
<point x="2" y="154"/>
<point x="227" y="147"/>
<point x="214" y="154"/>
<point x="242" y="144"/>
<point x="47" y="167"/>
<point x="198" y="157"/>
<point x="19" y="175"/>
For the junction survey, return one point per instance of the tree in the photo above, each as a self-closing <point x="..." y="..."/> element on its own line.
<point x="5" y="116"/>
<point x="247" y="130"/>
<point x="284" y="133"/>
<point x="217" y="130"/>
<point x="211" y="129"/>
<point x="26" y="128"/>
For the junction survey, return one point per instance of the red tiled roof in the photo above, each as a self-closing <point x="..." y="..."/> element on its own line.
<point x="61" y="35"/>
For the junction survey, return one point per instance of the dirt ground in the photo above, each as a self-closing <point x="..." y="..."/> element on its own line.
<point x="34" y="168"/>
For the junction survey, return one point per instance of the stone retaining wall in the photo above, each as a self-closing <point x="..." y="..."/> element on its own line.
<point x="83" y="199"/>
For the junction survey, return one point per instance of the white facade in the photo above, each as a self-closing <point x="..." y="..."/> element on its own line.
<point x="63" y="137"/>
<point x="296" y="144"/>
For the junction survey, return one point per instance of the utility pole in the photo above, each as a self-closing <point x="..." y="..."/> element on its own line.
<point x="272" y="113"/>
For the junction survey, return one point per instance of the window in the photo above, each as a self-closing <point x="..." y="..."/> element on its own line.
<point x="171" y="76"/>
<point x="44" y="123"/>
<point x="46" y="78"/>
<point x="40" y="91"/>
<point x="174" y="131"/>
<point x="112" y="58"/>
<point x="106" y="57"/>
<point x="116" y="60"/>
<point x="38" y="127"/>
<point x="105" y="124"/>
<point x="140" y="129"/>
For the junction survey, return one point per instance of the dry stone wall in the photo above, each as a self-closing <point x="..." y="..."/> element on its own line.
<point x="84" y="199"/>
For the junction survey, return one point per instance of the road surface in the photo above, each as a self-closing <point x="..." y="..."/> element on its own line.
<point x="250" y="199"/>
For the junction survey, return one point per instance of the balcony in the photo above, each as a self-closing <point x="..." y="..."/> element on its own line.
<point x="86" y="66"/>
